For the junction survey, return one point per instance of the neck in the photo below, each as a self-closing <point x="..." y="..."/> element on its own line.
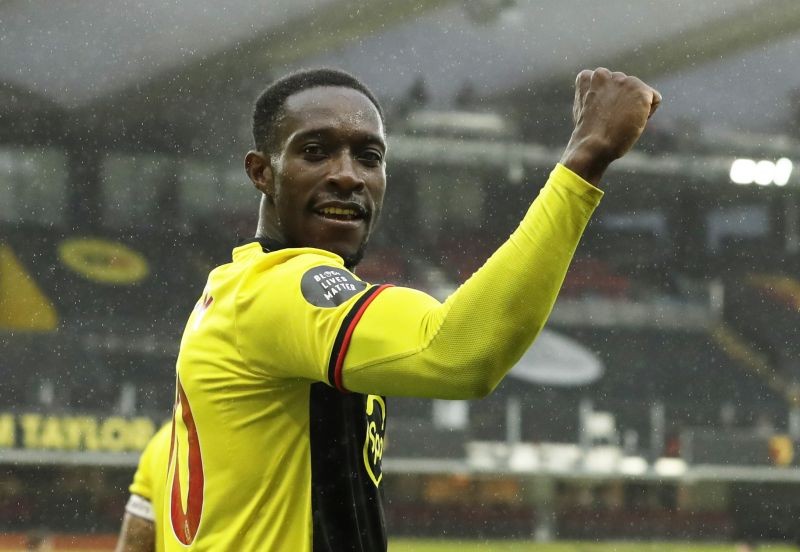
<point x="268" y="230"/>
<point x="267" y="224"/>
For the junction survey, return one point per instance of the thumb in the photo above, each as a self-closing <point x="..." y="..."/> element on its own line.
<point x="655" y="102"/>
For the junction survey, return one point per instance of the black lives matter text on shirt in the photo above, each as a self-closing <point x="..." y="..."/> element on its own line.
<point x="328" y="286"/>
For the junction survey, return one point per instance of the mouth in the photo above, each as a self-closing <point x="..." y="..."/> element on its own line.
<point x="342" y="212"/>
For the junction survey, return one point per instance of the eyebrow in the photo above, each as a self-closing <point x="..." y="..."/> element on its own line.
<point x="367" y="137"/>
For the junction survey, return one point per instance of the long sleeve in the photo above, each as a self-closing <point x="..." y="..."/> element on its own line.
<point x="407" y="343"/>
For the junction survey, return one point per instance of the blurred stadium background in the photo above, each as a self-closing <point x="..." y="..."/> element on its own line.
<point x="661" y="405"/>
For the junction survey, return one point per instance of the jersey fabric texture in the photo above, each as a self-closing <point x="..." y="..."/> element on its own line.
<point x="285" y="363"/>
<point x="148" y="481"/>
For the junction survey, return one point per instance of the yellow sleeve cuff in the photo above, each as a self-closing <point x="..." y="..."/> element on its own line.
<point x="562" y="176"/>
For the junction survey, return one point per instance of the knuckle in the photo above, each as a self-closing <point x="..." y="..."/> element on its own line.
<point x="638" y="83"/>
<point x="656" y="94"/>
<point x="583" y="75"/>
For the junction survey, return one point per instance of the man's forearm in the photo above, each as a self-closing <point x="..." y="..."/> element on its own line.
<point x="137" y="535"/>
<point x="510" y="298"/>
<point x="462" y="348"/>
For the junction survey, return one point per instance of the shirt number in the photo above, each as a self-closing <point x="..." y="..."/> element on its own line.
<point x="185" y="522"/>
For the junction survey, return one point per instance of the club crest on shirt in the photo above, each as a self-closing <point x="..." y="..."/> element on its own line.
<point x="328" y="286"/>
<point x="374" y="441"/>
<point x="201" y="308"/>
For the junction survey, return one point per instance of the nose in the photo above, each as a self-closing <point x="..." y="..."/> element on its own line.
<point x="344" y="173"/>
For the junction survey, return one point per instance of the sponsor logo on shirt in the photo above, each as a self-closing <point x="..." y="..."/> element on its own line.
<point x="374" y="441"/>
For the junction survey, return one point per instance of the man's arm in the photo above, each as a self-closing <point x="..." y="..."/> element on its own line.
<point x="138" y="532"/>
<point x="136" y="535"/>
<point x="405" y="344"/>
<point x="399" y="341"/>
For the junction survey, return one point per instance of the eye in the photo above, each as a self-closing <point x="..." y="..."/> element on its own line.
<point x="371" y="157"/>
<point x="313" y="152"/>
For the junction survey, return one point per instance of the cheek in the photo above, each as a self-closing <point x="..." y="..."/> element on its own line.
<point x="289" y="195"/>
<point x="288" y="208"/>
<point x="378" y="190"/>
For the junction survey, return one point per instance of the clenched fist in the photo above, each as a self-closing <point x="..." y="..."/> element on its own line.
<point x="610" y="113"/>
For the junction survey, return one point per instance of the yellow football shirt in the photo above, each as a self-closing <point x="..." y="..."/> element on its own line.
<point x="148" y="481"/>
<point x="285" y="363"/>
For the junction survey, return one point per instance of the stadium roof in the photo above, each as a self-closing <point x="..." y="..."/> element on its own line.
<point x="725" y="63"/>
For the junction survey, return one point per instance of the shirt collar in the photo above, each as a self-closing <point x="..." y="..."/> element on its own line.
<point x="269" y="245"/>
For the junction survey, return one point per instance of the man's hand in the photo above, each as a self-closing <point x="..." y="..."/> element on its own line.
<point x="610" y="113"/>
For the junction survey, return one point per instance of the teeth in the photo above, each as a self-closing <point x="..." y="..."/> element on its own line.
<point x="338" y="211"/>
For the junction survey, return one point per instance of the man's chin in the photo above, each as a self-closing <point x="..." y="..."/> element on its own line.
<point x="351" y="255"/>
<point x="351" y="261"/>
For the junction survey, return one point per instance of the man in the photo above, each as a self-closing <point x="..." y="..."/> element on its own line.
<point x="142" y="521"/>
<point x="287" y="358"/>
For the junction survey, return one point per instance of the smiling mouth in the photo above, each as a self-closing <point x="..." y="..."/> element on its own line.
<point x="355" y="213"/>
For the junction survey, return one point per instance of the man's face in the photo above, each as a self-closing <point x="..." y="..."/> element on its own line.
<point x="329" y="173"/>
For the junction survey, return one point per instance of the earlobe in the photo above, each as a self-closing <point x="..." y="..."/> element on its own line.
<point x="259" y="170"/>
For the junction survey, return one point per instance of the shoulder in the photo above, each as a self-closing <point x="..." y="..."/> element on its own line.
<point x="156" y="446"/>
<point x="285" y="262"/>
<point x="162" y="439"/>
<point x="314" y="275"/>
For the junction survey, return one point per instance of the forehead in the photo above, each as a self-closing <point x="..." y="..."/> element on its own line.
<point x="330" y="107"/>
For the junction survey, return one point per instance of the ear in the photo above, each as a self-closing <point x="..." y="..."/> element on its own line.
<point x="259" y="169"/>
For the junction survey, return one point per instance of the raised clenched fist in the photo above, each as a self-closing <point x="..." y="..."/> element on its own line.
<point x="610" y="113"/>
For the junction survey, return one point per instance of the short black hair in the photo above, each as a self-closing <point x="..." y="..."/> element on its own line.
<point x="269" y="105"/>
